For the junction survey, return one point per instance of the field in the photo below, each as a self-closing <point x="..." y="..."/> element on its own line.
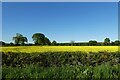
<point x="71" y="62"/>
<point x="41" y="49"/>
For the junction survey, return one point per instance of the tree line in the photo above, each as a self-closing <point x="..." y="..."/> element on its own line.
<point x="41" y="39"/>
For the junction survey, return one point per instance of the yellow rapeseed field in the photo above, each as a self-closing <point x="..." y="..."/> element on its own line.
<point x="30" y="49"/>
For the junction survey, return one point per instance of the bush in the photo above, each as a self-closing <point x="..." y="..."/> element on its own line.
<point x="60" y="58"/>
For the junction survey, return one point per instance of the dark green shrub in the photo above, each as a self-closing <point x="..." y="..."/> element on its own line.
<point x="60" y="58"/>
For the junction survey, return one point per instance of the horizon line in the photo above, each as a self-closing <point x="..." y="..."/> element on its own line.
<point x="66" y="41"/>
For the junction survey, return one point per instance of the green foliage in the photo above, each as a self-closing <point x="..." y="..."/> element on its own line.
<point x="101" y="72"/>
<point x="2" y="43"/>
<point x="117" y="42"/>
<point x="92" y="43"/>
<point x="38" y="38"/>
<point x="47" y="41"/>
<point x="60" y="58"/>
<point x="61" y="65"/>
<point x="54" y="43"/>
<point x="106" y="41"/>
<point x="41" y="39"/>
<point x="20" y="39"/>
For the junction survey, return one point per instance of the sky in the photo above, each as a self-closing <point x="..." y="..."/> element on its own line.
<point x="60" y="0"/>
<point x="60" y="21"/>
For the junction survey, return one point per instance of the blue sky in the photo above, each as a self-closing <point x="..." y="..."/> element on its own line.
<point x="62" y="22"/>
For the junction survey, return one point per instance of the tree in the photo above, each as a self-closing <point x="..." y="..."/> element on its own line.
<point x="106" y="41"/>
<point x="112" y="43"/>
<point x="11" y="44"/>
<point x="72" y="42"/>
<point x="19" y="39"/>
<point x="117" y="42"/>
<point x="2" y="43"/>
<point x="92" y="43"/>
<point x="47" y="41"/>
<point x="39" y="38"/>
<point x="23" y="40"/>
<point x="54" y="43"/>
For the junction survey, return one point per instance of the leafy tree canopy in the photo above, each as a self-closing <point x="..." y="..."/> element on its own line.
<point x="19" y="39"/>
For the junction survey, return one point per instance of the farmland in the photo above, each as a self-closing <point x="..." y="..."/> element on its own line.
<point x="41" y="49"/>
<point x="62" y="62"/>
<point x="60" y="40"/>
